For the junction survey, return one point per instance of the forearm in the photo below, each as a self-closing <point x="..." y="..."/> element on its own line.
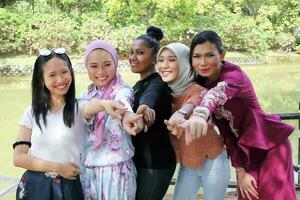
<point x="30" y="162"/>
<point x="92" y="107"/>
<point x="187" y="109"/>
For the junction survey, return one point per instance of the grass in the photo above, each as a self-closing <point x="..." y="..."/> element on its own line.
<point x="277" y="87"/>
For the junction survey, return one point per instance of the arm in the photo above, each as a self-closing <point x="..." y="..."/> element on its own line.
<point x="113" y="108"/>
<point x="149" y="101"/>
<point x="132" y="122"/>
<point x="22" y="159"/>
<point x="178" y="118"/>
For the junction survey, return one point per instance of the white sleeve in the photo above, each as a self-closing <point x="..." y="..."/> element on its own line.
<point x="27" y="118"/>
<point x="81" y="103"/>
<point x="126" y="96"/>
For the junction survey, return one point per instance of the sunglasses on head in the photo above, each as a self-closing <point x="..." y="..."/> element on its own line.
<point x="47" y="52"/>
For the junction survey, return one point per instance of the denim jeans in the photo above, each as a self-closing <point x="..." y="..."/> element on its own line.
<point x="213" y="175"/>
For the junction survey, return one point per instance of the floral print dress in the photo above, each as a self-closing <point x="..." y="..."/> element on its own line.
<point x="108" y="172"/>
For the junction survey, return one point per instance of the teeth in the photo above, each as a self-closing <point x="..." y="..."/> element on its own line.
<point x="61" y="86"/>
<point x="101" y="78"/>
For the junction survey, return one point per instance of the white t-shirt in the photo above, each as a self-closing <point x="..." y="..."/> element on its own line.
<point x="56" y="142"/>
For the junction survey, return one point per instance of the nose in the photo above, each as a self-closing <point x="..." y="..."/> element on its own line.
<point x="164" y="64"/>
<point x="132" y="56"/>
<point x="202" y="61"/>
<point x="99" y="70"/>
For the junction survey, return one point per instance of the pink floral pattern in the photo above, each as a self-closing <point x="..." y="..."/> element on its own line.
<point x="214" y="100"/>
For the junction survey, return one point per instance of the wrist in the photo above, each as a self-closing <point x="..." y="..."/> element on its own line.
<point x="56" y="168"/>
<point x="239" y="170"/>
<point x="183" y="113"/>
<point x="202" y="112"/>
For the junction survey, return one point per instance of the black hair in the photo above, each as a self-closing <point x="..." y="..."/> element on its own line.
<point x="153" y="35"/>
<point x="41" y="97"/>
<point x="200" y="38"/>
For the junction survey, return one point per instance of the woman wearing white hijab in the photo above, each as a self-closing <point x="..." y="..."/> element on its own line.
<point x="203" y="161"/>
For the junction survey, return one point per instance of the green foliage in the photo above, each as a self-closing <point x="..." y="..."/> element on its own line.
<point x="249" y="26"/>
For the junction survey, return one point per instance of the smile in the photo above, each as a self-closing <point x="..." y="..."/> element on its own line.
<point x="101" y="78"/>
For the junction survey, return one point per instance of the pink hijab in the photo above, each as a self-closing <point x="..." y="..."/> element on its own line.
<point x="109" y="90"/>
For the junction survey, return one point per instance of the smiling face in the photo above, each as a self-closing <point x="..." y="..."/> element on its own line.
<point x="167" y="66"/>
<point x="206" y="60"/>
<point x="57" y="77"/>
<point x="100" y="67"/>
<point x="141" y="58"/>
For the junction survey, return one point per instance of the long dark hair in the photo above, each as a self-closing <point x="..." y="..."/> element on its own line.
<point x="41" y="97"/>
<point x="153" y="35"/>
<point x="200" y="38"/>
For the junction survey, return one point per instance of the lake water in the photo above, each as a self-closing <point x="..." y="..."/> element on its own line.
<point x="277" y="87"/>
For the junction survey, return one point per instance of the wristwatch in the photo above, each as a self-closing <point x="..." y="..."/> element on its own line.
<point x="182" y="112"/>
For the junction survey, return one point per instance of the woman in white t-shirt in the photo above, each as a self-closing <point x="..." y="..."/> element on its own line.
<point x="52" y="131"/>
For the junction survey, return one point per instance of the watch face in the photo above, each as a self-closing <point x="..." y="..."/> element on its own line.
<point x="183" y="113"/>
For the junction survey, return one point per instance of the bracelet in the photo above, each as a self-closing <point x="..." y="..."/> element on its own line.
<point x="201" y="112"/>
<point x="199" y="115"/>
<point x="21" y="143"/>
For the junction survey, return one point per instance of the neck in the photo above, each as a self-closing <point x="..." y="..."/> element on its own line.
<point x="214" y="76"/>
<point x="57" y="103"/>
<point x="147" y="73"/>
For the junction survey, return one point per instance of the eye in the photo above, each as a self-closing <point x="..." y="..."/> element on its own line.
<point x="139" y="52"/>
<point x="196" y="56"/>
<point x="160" y="60"/>
<point x="66" y="71"/>
<point x="211" y="55"/>
<point x="107" y="64"/>
<point x="93" y="66"/>
<point x="172" y="60"/>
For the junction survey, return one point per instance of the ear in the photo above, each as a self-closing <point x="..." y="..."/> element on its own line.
<point x="154" y="59"/>
<point x="222" y="55"/>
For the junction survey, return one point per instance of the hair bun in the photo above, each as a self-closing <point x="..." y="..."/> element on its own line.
<point x="155" y="32"/>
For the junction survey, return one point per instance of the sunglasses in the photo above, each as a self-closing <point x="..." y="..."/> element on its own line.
<point x="47" y="52"/>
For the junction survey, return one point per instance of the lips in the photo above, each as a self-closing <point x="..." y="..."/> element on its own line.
<point x="165" y="73"/>
<point x="203" y="71"/>
<point x="101" y="78"/>
<point x="62" y="86"/>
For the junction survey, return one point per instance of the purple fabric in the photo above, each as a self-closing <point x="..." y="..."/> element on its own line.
<point x="241" y="120"/>
<point x="108" y="90"/>
<point x="101" y="44"/>
<point x="275" y="181"/>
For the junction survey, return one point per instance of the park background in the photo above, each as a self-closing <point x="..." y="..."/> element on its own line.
<point x="263" y="36"/>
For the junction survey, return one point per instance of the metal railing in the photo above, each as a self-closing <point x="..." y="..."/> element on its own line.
<point x="284" y="116"/>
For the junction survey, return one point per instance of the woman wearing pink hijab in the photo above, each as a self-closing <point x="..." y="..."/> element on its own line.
<point x="108" y="171"/>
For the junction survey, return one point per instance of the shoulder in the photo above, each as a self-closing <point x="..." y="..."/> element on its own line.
<point x="124" y="89"/>
<point x="28" y="111"/>
<point x="158" y="84"/>
<point x="195" y="87"/>
<point x="232" y="73"/>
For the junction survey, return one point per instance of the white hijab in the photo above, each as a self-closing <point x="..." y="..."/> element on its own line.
<point x="185" y="76"/>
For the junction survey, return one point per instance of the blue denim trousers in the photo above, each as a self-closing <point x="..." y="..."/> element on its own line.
<point x="213" y="176"/>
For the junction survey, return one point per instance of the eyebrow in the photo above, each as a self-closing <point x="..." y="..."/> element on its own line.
<point x="168" y="56"/>
<point x="205" y="53"/>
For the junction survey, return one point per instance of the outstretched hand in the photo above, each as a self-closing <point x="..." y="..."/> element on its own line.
<point x="115" y="109"/>
<point x="148" y="116"/>
<point x="174" y="124"/>
<point x="195" y="127"/>
<point x="133" y="123"/>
